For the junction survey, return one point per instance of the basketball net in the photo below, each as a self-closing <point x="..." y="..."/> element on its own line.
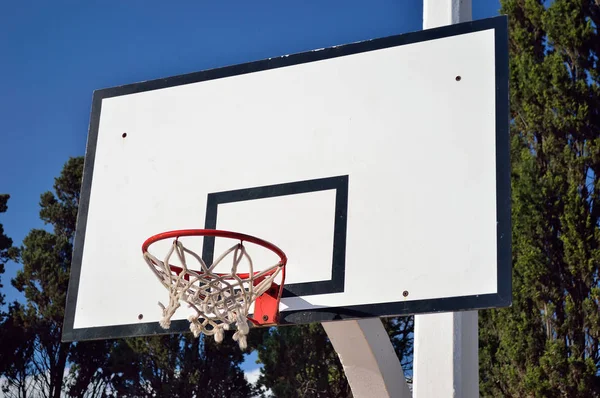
<point x="221" y="300"/>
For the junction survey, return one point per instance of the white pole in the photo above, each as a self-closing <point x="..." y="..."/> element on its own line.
<point x="368" y="357"/>
<point x="445" y="12"/>
<point x="446" y="362"/>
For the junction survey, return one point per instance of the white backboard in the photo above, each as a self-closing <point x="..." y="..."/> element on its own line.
<point x="381" y="169"/>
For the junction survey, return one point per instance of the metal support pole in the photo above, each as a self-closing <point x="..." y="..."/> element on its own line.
<point x="446" y="362"/>
<point x="370" y="362"/>
<point x="445" y="12"/>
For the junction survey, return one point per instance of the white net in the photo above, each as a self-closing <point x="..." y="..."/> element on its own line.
<point x="221" y="300"/>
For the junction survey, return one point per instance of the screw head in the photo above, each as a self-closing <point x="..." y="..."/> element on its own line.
<point x="265" y="318"/>
<point x="140" y="316"/>
<point x="458" y="78"/>
<point x="405" y="293"/>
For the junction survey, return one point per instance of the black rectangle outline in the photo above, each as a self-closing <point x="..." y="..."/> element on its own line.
<point x="503" y="296"/>
<point x="338" y="265"/>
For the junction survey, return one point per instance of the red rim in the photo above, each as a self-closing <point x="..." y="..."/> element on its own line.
<point x="217" y="233"/>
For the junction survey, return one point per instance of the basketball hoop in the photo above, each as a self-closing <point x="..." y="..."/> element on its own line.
<point x="221" y="300"/>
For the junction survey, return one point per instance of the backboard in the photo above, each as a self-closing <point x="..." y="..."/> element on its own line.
<point x="381" y="169"/>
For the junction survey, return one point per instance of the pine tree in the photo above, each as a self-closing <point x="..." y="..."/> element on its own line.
<point x="177" y="366"/>
<point x="300" y="360"/>
<point x="46" y="260"/>
<point x="547" y="344"/>
<point x="15" y="353"/>
<point x="401" y="331"/>
<point x="6" y="247"/>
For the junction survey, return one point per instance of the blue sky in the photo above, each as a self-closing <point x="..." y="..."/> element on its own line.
<point x="55" y="53"/>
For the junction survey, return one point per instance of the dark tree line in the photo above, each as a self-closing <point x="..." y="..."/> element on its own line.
<point x="547" y="344"/>
<point x="6" y="244"/>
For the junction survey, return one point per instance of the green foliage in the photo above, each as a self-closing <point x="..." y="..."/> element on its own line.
<point x="7" y="251"/>
<point x="17" y="353"/>
<point x="89" y="369"/>
<point x="46" y="260"/>
<point x="36" y="359"/>
<point x="177" y="366"/>
<point x="60" y="208"/>
<point x="299" y="361"/>
<point x="547" y="344"/>
<point x="46" y="256"/>
<point x="401" y="332"/>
